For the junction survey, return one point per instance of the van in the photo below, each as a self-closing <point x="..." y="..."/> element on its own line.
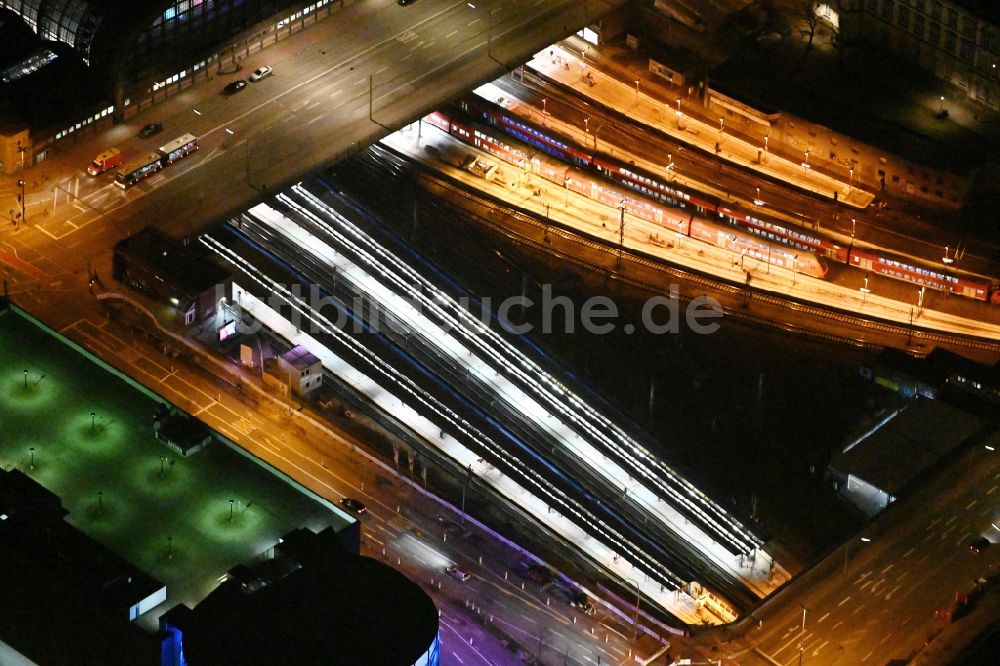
<point x="109" y="159"/>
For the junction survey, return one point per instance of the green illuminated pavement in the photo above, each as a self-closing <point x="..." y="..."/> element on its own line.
<point x="92" y="438"/>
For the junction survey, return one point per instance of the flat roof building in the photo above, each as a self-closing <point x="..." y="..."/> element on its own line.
<point x="312" y="603"/>
<point x="67" y="600"/>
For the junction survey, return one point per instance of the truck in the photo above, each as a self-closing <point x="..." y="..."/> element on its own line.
<point x="106" y="161"/>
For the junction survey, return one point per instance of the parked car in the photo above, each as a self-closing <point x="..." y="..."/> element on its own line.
<point x="458" y="574"/>
<point x="979" y="544"/>
<point x="261" y="72"/>
<point x="235" y="87"/>
<point x="150" y="129"/>
<point x="356" y="507"/>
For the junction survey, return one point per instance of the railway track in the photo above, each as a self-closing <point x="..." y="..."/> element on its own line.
<point x="792" y="199"/>
<point x="485" y="204"/>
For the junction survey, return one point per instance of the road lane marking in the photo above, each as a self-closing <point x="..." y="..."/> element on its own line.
<point x="951" y="520"/>
<point x="907" y="553"/>
<point x="990" y="491"/>
<point x="846" y="599"/>
<point x="474" y="21"/>
<point x="858" y="609"/>
<point x="823" y="618"/>
<point x="379" y="71"/>
<point x="891" y="592"/>
<point x="450" y="34"/>
<point x="970" y="504"/>
<point x="931" y="524"/>
<point x="887" y="569"/>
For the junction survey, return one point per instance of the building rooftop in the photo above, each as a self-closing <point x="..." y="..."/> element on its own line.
<point x="913" y="440"/>
<point x="322" y="605"/>
<point x="65" y="597"/>
<point x="184" y="269"/>
<point x="299" y="357"/>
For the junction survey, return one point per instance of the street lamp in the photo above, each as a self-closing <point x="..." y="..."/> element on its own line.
<point x="805" y="164"/>
<point x="850" y="180"/>
<point x="621" y="235"/>
<point x="544" y="100"/>
<point x="795" y="265"/>
<point x="948" y="261"/>
<point x="20" y="183"/>
<point x="802" y="635"/>
<point x="31" y="452"/>
<point x="678" y="105"/>
<point x="637" y="92"/>
<point x="850" y="248"/>
<point x="231" y="510"/>
<point x="941" y="104"/>
<point x="566" y="183"/>
<point x="722" y="124"/>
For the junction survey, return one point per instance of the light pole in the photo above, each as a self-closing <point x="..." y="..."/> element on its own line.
<point x="637" y="92"/>
<point x="850" y="180"/>
<point x="805" y="164"/>
<point x="802" y="635"/>
<point x="20" y="183"/>
<point x="544" y="101"/>
<point x="847" y="550"/>
<point x="864" y="292"/>
<point x="670" y="165"/>
<point x="941" y="104"/>
<point x="31" y="452"/>
<point x="25" y="379"/>
<point x="566" y="183"/>
<point x="850" y="248"/>
<point x="795" y="265"/>
<point x="586" y="126"/>
<point x="638" y="596"/>
<point x="93" y="418"/>
<point x="722" y="124"/>
<point x="621" y="235"/>
<point x="231" y="510"/>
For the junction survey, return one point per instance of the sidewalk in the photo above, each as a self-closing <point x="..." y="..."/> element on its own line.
<point x="649" y="106"/>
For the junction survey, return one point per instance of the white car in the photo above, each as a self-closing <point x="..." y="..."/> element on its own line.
<point x="261" y="72"/>
<point x="458" y="574"/>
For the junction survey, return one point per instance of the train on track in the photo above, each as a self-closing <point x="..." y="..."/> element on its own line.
<point x="664" y="202"/>
<point x="677" y="220"/>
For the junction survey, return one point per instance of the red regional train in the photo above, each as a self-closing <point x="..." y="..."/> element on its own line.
<point x="762" y="226"/>
<point x="682" y="223"/>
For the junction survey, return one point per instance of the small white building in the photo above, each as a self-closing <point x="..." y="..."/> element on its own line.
<point x="303" y="370"/>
